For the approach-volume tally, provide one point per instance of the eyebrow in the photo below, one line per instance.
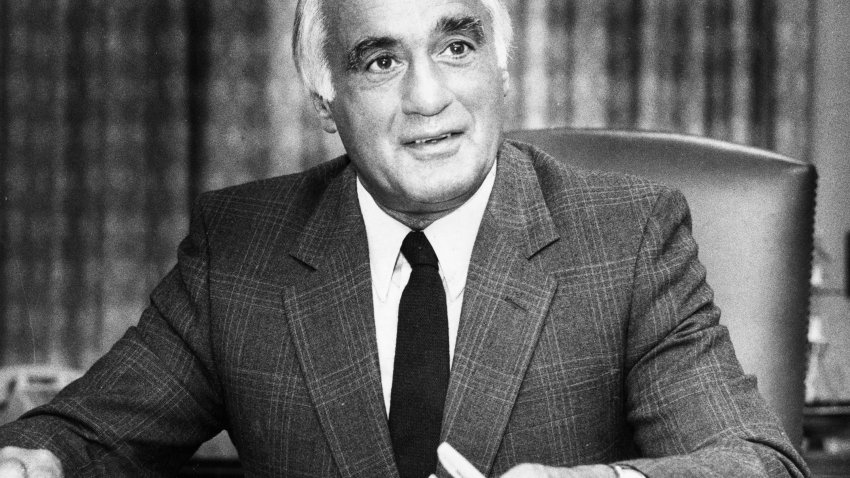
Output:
(361, 49)
(463, 25)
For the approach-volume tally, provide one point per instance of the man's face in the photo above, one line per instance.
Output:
(419, 98)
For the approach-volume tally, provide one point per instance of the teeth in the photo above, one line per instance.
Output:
(432, 140)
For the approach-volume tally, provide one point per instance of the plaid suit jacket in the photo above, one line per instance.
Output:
(588, 335)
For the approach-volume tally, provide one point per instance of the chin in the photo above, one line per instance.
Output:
(446, 195)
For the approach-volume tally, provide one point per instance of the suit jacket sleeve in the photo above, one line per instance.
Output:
(692, 409)
(144, 407)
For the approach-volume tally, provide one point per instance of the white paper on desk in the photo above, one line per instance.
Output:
(455, 463)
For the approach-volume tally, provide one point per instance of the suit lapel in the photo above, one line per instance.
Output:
(507, 295)
(330, 316)
(506, 299)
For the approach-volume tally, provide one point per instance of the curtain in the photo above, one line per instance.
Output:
(115, 114)
(93, 170)
(737, 70)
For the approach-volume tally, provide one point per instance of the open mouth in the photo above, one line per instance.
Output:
(433, 139)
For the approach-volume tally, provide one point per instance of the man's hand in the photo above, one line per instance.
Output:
(22, 463)
(528, 470)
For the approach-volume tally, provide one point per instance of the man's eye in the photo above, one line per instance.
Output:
(381, 64)
(458, 48)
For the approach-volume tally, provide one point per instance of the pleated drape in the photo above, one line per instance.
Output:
(737, 70)
(94, 177)
(115, 114)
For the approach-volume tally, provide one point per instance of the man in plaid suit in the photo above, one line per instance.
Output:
(583, 337)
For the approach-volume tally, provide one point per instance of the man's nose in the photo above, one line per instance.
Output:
(425, 89)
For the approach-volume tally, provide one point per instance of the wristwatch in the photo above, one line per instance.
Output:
(625, 471)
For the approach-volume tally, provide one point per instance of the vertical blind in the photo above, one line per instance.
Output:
(115, 114)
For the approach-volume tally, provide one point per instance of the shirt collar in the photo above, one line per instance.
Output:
(452, 237)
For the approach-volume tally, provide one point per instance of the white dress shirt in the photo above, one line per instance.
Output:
(452, 238)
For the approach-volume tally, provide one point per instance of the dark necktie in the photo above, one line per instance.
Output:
(421, 372)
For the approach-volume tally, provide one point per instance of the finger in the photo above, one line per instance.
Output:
(12, 468)
(42, 464)
(26, 463)
(42, 471)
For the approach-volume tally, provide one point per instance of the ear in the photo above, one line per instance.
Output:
(506, 81)
(323, 111)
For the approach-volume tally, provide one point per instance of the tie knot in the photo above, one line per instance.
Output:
(417, 250)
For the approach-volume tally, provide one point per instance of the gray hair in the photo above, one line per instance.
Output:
(310, 35)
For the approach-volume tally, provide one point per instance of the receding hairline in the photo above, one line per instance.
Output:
(307, 34)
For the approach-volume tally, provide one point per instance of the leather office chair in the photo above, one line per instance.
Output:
(753, 215)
